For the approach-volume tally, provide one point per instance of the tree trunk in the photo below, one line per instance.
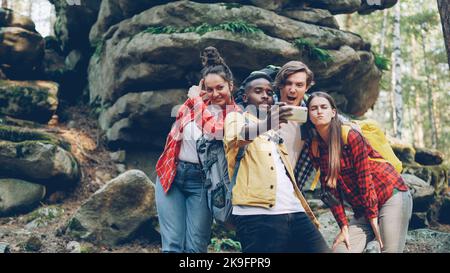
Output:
(431, 117)
(397, 77)
(444, 10)
(383, 31)
(416, 114)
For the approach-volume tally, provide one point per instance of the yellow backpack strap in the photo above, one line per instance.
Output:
(344, 132)
(316, 179)
(315, 153)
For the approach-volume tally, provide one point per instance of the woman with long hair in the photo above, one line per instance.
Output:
(184, 218)
(379, 197)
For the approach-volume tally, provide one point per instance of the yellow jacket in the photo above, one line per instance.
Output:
(256, 180)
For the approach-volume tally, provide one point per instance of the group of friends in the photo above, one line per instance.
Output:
(270, 213)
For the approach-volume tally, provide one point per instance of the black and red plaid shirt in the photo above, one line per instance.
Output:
(364, 184)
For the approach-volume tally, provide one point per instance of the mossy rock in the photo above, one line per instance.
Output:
(18, 134)
(36, 156)
(406, 153)
(43, 216)
(428, 156)
(32, 100)
(436, 176)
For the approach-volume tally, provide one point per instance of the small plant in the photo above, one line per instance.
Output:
(99, 46)
(161, 30)
(313, 52)
(225, 244)
(43, 216)
(234, 27)
(382, 62)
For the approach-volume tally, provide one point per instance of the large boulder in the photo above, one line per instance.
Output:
(404, 151)
(36, 156)
(74, 21)
(9, 18)
(350, 6)
(114, 11)
(141, 118)
(419, 220)
(428, 156)
(337, 6)
(422, 192)
(17, 196)
(21, 51)
(128, 46)
(436, 176)
(319, 17)
(115, 212)
(32, 100)
(444, 211)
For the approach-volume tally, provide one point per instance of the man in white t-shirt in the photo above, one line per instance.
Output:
(292, 81)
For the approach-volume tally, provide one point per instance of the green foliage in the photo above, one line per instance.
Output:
(43, 216)
(424, 70)
(313, 52)
(234, 27)
(225, 244)
(161, 30)
(382, 62)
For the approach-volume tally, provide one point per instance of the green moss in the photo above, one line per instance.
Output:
(25, 137)
(437, 176)
(99, 47)
(43, 216)
(313, 52)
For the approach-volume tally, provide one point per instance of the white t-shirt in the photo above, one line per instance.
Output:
(191, 133)
(188, 150)
(286, 201)
(291, 134)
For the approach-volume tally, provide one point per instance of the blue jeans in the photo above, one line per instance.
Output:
(293, 232)
(184, 218)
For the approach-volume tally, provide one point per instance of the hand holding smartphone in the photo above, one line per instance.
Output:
(299, 114)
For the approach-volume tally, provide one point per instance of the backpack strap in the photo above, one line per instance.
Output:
(315, 152)
(345, 129)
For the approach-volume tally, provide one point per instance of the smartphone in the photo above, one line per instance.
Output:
(299, 114)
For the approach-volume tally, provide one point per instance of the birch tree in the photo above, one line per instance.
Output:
(396, 97)
(444, 11)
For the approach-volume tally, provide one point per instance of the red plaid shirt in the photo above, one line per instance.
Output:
(365, 184)
(194, 109)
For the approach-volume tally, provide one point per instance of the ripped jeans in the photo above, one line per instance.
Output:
(184, 218)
